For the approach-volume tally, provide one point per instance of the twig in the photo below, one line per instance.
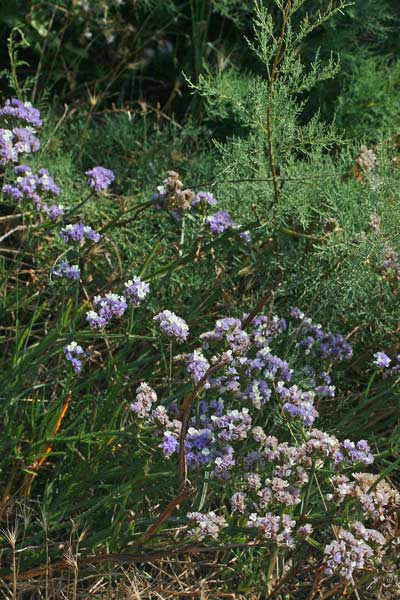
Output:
(264, 299)
(167, 512)
(316, 583)
(11, 231)
(271, 80)
(128, 558)
(262, 180)
(10, 217)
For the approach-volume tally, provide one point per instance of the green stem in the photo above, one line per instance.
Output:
(370, 382)
(270, 568)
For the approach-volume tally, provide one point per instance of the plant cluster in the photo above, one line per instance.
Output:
(173, 382)
(235, 423)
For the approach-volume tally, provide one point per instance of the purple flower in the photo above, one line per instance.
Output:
(305, 530)
(25, 140)
(71, 352)
(296, 313)
(258, 393)
(27, 184)
(135, 291)
(219, 222)
(8, 153)
(78, 232)
(13, 142)
(54, 211)
(169, 443)
(22, 111)
(46, 183)
(159, 199)
(207, 525)
(204, 198)
(172, 325)
(197, 365)
(12, 192)
(326, 344)
(95, 320)
(273, 527)
(245, 236)
(145, 397)
(108, 306)
(351, 552)
(224, 326)
(99, 178)
(238, 502)
(64, 269)
(357, 452)
(382, 360)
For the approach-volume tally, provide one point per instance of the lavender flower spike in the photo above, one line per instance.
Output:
(99, 178)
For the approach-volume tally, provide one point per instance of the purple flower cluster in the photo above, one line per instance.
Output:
(204, 198)
(206, 525)
(30, 186)
(325, 344)
(274, 527)
(359, 452)
(135, 291)
(245, 236)
(298, 403)
(13, 142)
(170, 196)
(172, 325)
(21, 111)
(71, 352)
(64, 269)
(377, 498)
(169, 444)
(115, 305)
(382, 360)
(78, 232)
(350, 551)
(289, 465)
(16, 140)
(197, 365)
(246, 371)
(145, 398)
(99, 178)
(207, 442)
(220, 222)
(108, 306)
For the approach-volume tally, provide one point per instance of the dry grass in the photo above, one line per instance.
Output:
(166, 579)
